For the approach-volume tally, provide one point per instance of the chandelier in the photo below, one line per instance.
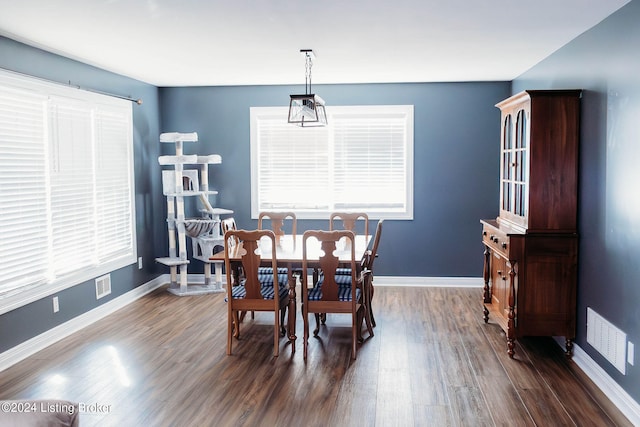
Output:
(307, 109)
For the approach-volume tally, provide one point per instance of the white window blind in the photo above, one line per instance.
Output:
(66, 187)
(23, 178)
(71, 186)
(361, 161)
(114, 190)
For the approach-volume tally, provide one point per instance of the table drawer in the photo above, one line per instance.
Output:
(496, 240)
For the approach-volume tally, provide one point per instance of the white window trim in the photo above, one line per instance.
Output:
(30, 293)
(257, 112)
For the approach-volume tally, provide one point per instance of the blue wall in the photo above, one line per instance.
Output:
(605, 63)
(30, 320)
(456, 134)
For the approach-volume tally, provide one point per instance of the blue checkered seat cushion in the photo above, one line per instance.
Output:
(344, 289)
(343, 271)
(265, 275)
(342, 279)
(267, 290)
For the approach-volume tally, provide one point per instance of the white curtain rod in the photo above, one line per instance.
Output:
(128, 98)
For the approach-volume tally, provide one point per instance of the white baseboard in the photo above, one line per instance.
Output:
(442, 282)
(620, 398)
(53, 335)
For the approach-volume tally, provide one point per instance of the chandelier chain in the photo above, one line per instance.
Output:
(307, 74)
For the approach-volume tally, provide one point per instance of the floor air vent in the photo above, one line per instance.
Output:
(103, 286)
(607, 339)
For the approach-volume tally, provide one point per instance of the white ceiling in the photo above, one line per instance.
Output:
(255, 42)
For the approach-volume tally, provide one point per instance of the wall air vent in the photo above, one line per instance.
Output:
(607, 339)
(103, 286)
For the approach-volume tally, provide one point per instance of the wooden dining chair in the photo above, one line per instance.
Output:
(368, 259)
(366, 268)
(326, 296)
(349, 221)
(255, 292)
(279, 221)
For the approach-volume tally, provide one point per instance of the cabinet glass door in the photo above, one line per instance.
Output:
(520, 165)
(514, 167)
(507, 150)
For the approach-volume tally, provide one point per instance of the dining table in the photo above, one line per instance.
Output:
(289, 255)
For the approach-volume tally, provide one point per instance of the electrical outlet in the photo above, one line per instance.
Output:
(139, 263)
(630, 353)
(56, 305)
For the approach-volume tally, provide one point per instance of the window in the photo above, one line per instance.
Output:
(361, 161)
(66, 187)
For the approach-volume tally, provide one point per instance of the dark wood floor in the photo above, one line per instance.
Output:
(433, 362)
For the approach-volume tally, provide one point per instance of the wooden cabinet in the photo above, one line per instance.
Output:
(531, 248)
